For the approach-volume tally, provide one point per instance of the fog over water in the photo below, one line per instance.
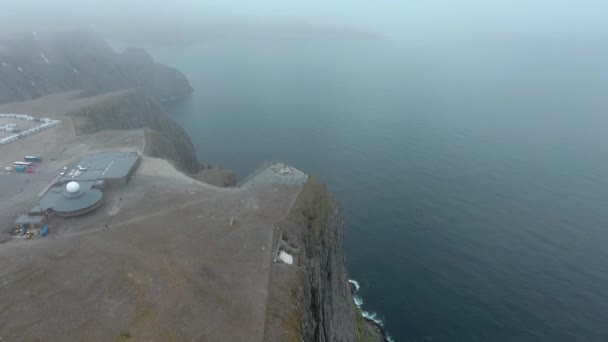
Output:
(558, 17)
(465, 139)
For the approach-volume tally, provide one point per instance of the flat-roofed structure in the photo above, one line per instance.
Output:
(28, 221)
(111, 167)
(79, 190)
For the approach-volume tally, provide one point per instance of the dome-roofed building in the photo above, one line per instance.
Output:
(72, 187)
(72, 199)
(78, 192)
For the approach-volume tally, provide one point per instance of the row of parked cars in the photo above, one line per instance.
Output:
(18, 116)
(9, 128)
(47, 123)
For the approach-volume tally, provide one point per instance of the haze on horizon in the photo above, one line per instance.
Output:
(580, 19)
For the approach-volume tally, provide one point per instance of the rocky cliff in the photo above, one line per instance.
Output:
(312, 301)
(133, 109)
(119, 90)
(34, 64)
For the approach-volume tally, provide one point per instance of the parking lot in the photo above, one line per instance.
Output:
(21, 126)
(13, 183)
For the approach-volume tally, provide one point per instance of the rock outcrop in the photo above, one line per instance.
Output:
(120, 91)
(217, 176)
(36, 64)
(133, 109)
(311, 300)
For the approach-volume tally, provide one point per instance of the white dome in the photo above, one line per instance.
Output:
(72, 187)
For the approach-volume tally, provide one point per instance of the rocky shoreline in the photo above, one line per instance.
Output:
(376, 324)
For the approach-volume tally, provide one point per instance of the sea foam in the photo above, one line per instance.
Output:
(372, 316)
(358, 300)
(356, 283)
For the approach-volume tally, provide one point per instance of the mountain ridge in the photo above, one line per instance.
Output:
(36, 64)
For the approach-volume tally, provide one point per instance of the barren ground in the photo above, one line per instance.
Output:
(167, 267)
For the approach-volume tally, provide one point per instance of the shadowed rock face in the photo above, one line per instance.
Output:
(35, 64)
(331, 304)
(312, 301)
(133, 109)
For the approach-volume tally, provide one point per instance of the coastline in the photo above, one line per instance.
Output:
(369, 316)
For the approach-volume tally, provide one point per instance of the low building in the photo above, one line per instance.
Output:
(79, 190)
(30, 222)
(72, 199)
(111, 167)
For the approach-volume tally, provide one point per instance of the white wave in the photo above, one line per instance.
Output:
(367, 314)
(75, 71)
(356, 283)
(373, 316)
(19, 68)
(358, 300)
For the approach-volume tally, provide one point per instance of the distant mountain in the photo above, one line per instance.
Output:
(35, 64)
(171, 35)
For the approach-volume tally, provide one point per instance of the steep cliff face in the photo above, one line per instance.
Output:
(312, 301)
(132, 109)
(216, 176)
(40, 63)
(330, 301)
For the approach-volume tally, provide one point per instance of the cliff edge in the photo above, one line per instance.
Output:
(35, 64)
(312, 301)
(133, 109)
(115, 90)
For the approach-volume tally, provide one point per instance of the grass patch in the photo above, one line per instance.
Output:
(364, 332)
(292, 324)
(282, 311)
(312, 206)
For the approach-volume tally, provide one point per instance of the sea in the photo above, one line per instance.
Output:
(473, 169)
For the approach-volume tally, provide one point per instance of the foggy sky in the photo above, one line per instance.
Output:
(382, 16)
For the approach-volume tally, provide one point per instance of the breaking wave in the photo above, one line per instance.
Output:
(355, 283)
(372, 316)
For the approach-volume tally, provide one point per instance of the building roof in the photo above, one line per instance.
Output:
(90, 170)
(27, 219)
(61, 200)
(87, 199)
(102, 165)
